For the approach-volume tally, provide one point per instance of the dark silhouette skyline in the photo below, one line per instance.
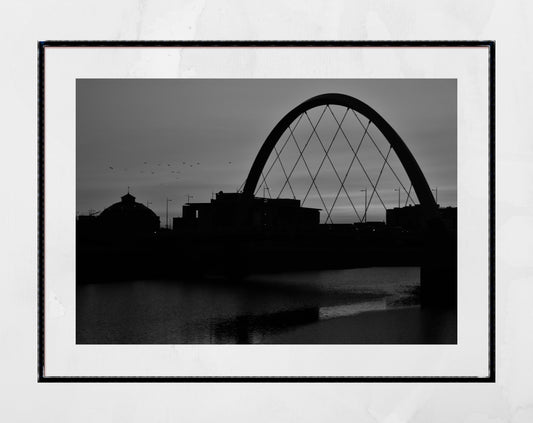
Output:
(179, 138)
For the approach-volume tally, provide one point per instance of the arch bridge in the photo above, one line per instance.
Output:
(342, 131)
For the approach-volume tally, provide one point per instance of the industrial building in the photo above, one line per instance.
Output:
(230, 210)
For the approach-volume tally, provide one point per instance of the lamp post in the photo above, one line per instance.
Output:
(399, 191)
(168, 201)
(364, 215)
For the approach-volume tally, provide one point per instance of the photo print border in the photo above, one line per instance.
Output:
(43, 45)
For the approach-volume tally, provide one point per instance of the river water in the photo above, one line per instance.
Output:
(254, 310)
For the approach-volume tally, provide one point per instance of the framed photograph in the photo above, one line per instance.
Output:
(266, 211)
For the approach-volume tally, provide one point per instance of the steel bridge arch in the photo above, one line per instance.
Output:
(417, 178)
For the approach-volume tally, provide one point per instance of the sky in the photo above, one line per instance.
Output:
(177, 138)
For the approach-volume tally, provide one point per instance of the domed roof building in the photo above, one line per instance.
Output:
(128, 217)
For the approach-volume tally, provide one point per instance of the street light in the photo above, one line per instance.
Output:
(364, 216)
(168, 201)
(399, 191)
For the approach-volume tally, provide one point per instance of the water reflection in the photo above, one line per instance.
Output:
(343, 310)
(254, 328)
(256, 310)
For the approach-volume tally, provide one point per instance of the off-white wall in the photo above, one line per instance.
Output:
(22, 399)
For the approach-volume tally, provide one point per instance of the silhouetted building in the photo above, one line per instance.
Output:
(449, 217)
(229, 210)
(128, 217)
(412, 218)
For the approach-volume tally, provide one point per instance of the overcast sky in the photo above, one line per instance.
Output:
(172, 138)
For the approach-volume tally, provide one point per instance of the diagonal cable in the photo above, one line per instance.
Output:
(367, 206)
(324, 158)
(381, 154)
(359, 161)
(307, 167)
(332, 165)
(371, 183)
(280, 151)
(284, 144)
(347, 172)
(407, 199)
(355, 153)
(313, 178)
(305, 146)
(265, 186)
(284, 172)
(282, 168)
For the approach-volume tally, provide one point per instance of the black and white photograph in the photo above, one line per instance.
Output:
(282, 212)
(266, 211)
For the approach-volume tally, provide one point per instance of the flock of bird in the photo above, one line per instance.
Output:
(160, 168)
(154, 171)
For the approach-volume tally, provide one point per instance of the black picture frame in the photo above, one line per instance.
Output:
(42, 378)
